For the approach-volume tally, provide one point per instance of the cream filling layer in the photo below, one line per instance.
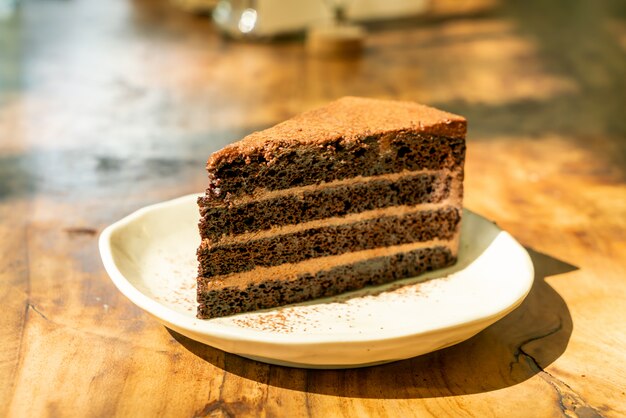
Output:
(264, 194)
(291, 271)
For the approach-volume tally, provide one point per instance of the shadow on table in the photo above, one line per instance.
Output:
(507, 353)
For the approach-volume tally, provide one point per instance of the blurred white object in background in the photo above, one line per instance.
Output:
(7, 9)
(339, 38)
(266, 18)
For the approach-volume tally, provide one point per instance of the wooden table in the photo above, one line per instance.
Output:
(109, 106)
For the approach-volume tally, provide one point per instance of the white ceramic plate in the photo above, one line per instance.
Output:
(151, 257)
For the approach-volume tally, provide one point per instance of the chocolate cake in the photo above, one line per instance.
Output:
(358, 192)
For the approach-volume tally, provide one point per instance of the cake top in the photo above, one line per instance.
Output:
(348, 119)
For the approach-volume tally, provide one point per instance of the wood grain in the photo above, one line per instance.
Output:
(108, 106)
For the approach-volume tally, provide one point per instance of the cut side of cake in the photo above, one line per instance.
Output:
(358, 192)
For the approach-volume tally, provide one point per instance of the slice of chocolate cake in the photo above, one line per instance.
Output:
(359, 192)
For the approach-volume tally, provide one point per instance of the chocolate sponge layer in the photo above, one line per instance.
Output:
(296, 166)
(270, 293)
(328, 240)
(330, 201)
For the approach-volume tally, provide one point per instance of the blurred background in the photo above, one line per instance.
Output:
(110, 105)
(114, 98)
